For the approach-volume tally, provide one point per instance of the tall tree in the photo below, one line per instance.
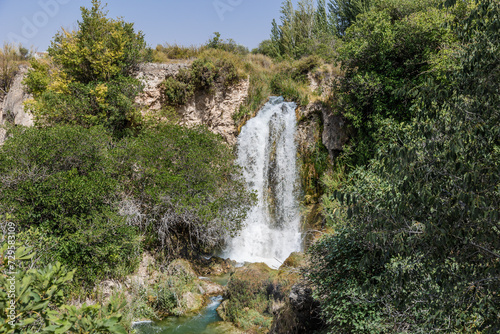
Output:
(343, 13)
(287, 45)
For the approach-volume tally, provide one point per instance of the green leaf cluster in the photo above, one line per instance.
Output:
(39, 300)
(214, 69)
(88, 79)
(61, 182)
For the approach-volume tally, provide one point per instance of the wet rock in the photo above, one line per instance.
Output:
(295, 260)
(211, 288)
(336, 132)
(253, 276)
(181, 267)
(223, 310)
(191, 302)
(214, 266)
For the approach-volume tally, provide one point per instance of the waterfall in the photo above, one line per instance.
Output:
(267, 152)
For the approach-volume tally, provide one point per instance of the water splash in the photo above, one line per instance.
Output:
(268, 154)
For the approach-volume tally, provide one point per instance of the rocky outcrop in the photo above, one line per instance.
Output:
(152, 75)
(214, 266)
(301, 313)
(249, 293)
(214, 109)
(317, 120)
(12, 108)
(308, 126)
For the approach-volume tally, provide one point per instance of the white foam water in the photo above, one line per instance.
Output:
(267, 152)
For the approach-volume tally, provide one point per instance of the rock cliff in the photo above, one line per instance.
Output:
(12, 108)
(212, 109)
(215, 109)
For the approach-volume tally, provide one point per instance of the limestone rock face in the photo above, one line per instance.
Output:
(335, 133)
(152, 75)
(308, 127)
(216, 110)
(12, 108)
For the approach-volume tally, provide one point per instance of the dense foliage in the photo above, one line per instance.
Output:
(302, 32)
(62, 181)
(88, 78)
(416, 243)
(183, 187)
(40, 298)
(92, 193)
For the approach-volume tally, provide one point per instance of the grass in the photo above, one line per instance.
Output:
(11, 57)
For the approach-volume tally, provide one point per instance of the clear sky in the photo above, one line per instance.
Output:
(188, 22)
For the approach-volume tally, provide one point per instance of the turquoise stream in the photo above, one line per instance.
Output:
(185, 325)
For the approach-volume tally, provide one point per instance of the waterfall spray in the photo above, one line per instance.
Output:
(268, 154)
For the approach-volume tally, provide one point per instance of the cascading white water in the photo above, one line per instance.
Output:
(268, 154)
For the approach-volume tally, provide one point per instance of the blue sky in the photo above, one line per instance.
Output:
(188, 22)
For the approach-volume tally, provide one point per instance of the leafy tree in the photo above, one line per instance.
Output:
(88, 78)
(386, 56)
(421, 220)
(302, 32)
(62, 180)
(229, 45)
(343, 13)
(183, 188)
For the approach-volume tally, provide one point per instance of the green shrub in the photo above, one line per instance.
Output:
(166, 52)
(214, 69)
(88, 80)
(40, 301)
(177, 91)
(283, 85)
(61, 180)
(185, 186)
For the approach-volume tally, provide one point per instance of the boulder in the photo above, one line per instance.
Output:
(211, 288)
(190, 302)
(214, 266)
(180, 267)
